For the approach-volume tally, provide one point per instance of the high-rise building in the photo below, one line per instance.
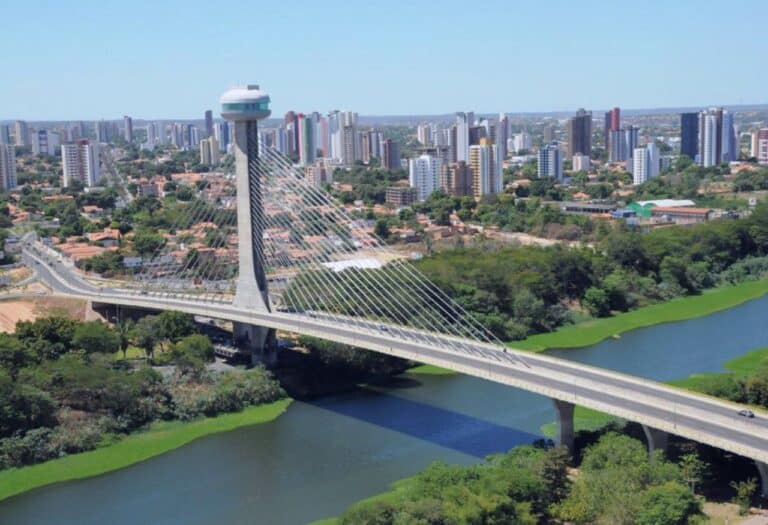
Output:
(7, 167)
(522, 142)
(549, 134)
(612, 123)
(762, 146)
(128, 129)
(689, 135)
(424, 175)
(208, 123)
(710, 138)
(730, 146)
(464, 121)
(307, 149)
(646, 163)
(579, 129)
(5, 134)
(350, 142)
(617, 145)
(485, 164)
(550, 162)
(102, 131)
(21, 137)
(80, 161)
(456, 179)
(221, 133)
(502, 134)
(424, 134)
(390, 157)
(44, 142)
(209, 152)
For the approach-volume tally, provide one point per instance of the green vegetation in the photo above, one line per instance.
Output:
(63, 392)
(161, 437)
(746, 380)
(617, 483)
(593, 331)
(431, 370)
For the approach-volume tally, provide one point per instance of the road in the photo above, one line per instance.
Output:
(656, 405)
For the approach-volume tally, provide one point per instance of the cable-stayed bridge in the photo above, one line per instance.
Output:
(271, 250)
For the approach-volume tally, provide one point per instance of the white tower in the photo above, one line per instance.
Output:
(245, 106)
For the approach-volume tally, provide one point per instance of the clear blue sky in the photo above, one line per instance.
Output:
(85, 59)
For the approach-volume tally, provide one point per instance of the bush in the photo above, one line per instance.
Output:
(226, 392)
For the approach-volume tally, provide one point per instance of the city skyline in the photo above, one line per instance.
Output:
(373, 64)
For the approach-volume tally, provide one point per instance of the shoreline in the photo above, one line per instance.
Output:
(161, 437)
(593, 331)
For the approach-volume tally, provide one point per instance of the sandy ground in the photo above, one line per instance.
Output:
(728, 514)
(15, 310)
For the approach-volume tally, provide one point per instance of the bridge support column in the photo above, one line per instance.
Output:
(657, 439)
(762, 468)
(260, 341)
(565, 434)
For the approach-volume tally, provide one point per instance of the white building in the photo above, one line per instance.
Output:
(645, 163)
(522, 141)
(463, 122)
(581, 162)
(550, 162)
(81, 162)
(7, 167)
(21, 137)
(209, 152)
(44, 142)
(708, 133)
(424, 175)
(486, 166)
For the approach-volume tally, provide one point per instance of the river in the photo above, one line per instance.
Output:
(319, 457)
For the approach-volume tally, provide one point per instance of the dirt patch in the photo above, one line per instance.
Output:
(30, 309)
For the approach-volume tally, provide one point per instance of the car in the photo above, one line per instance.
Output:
(383, 328)
(746, 413)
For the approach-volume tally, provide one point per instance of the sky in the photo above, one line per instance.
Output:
(88, 59)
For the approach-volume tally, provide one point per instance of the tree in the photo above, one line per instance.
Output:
(744, 492)
(553, 469)
(668, 504)
(145, 335)
(693, 469)
(382, 229)
(192, 352)
(147, 242)
(596, 300)
(124, 330)
(96, 337)
(13, 355)
(173, 325)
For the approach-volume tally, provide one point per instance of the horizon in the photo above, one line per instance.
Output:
(405, 60)
(668, 110)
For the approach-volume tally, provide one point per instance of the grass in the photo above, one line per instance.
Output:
(595, 330)
(740, 367)
(161, 437)
(583, 419)
(430, 370)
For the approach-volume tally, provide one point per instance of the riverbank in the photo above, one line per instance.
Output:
(161, 437)
(593, 331)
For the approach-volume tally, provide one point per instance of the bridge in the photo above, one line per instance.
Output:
(305, 266)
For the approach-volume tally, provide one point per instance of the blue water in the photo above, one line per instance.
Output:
(320, 457)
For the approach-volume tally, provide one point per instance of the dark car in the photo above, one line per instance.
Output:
(746, 413)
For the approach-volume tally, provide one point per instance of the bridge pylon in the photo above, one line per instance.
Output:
(244, 107)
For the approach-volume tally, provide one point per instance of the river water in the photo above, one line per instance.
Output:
(319, 457)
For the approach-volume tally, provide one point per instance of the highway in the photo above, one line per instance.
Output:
(701, 418)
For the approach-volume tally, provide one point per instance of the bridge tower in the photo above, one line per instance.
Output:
(244, 106)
